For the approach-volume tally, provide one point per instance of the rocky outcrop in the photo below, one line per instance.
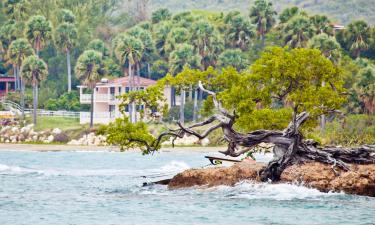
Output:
(27, 134)
(90, 140)
(360, 180)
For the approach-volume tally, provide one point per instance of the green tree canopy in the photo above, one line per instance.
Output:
(234, 58)
(38, 32)
(329, 47)
(160, 15)
(298, 31)
(262, 14)
(184, 55)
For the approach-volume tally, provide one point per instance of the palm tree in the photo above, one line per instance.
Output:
(98, 45)
(329, 47)
(262, 15)
(66, 16)
(34, 71)
(176, 36)
(145, 37)
(9, 33)
(358, 35)
(160, 15)
(38, 32)
(298, 32)
(322, 24)
(289, 13)
(234, 58)
(239, 31)
(128, 51)
(207, 42)
(65, 37)
(88, 70)
(17, 9)
(18, 51)
(184, 55)
(161, 32)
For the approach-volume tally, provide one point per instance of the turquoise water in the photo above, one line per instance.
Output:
(89, 188)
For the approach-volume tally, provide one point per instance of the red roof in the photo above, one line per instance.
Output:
(124, 81)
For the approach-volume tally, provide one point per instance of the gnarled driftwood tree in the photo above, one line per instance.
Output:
(290, 147)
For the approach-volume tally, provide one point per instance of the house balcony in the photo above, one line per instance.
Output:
(86, 98)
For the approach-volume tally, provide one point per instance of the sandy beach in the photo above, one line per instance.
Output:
(57, 148)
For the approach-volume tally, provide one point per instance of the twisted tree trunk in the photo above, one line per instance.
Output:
(289, 145)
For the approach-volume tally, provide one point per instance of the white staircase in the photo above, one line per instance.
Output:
(11, 106)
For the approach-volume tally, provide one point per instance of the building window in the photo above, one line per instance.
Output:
(126, 108)
(119, 90)
(127, 89)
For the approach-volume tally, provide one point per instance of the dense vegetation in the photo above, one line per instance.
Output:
(97, 39)
(342, 11)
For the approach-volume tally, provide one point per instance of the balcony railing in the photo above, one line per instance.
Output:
(86, 98)
(101, 97)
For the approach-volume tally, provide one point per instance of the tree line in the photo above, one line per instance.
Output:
(97, 42)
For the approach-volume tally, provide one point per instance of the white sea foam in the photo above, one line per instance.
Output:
(249, 190)
(168, 169)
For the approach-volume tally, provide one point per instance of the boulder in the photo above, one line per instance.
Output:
(15, 130)
(359, 180)
(205, 142)
(50, 138)
(56, 131)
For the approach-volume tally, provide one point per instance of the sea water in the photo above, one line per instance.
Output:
(89, 188)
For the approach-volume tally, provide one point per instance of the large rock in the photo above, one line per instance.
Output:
(216, 176)
(360, 180)
(56, 131)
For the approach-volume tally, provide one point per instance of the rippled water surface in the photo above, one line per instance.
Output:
(87, 188)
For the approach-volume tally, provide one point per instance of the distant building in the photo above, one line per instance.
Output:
(106, 103)
(7, 84)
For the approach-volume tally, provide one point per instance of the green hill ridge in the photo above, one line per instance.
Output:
(343, 11)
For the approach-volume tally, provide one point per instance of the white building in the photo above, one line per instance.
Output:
(106, 103)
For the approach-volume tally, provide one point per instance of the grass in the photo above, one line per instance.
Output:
(49, 123)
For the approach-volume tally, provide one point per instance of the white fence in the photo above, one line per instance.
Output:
(54, 113)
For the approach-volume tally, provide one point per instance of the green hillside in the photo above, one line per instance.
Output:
(342, 10)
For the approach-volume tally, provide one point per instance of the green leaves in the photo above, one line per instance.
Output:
(128, 49)
(19, 50)
(129, 135)
(184, 55)
(65, 36)
(34, 70)
(90, 68)
(38, 31)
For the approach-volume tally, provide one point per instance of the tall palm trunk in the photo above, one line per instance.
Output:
(148, 71)
(190, 93)
(15, 73)
(35, 101)
(22, 86)
(200, 103)
(92, 109)
(195, 110)
(182, 107)
(69, 70)
(132, 104)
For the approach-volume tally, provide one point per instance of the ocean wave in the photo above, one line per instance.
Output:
(169, 169)
(282, 192)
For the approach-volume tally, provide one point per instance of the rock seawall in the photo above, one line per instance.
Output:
(360, 180)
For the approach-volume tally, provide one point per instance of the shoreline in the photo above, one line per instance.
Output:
(73, 148)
